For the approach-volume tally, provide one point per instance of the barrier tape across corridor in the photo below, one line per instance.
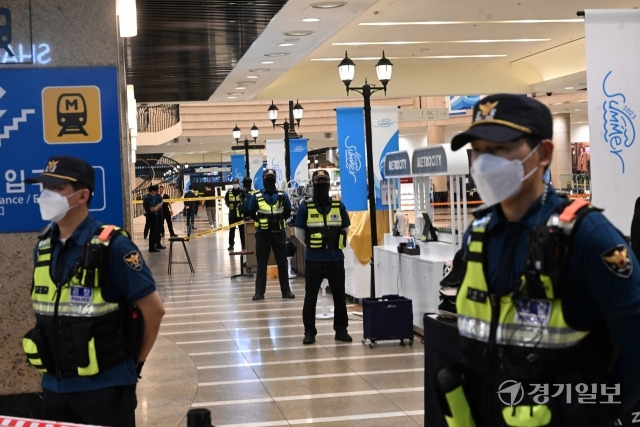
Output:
(28, 422)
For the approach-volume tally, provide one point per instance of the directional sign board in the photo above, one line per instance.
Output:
(58, 111)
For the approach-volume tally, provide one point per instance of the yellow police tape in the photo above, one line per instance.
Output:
(214, 230)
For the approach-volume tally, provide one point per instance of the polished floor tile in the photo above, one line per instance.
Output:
(244, 360)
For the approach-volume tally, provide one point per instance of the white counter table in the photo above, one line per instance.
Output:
(413, 276)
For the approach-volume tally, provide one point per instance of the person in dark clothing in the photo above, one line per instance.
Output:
(635, 228)
(152, 206)
(246, 196)
(270, 209)
(210, 205)
(190, 209)
(157, 199)
(322, 224)
(234, 199)
(167, 213)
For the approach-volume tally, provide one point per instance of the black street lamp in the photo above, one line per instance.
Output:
(295, 113)
(246, 144)
(347, 69)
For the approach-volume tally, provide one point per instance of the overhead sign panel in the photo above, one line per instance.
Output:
(59, 111)
(397, 164)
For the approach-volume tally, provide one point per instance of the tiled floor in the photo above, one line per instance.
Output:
(245, 362)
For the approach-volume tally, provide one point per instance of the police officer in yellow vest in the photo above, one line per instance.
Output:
(322, 223)
(549, 307)
(234, 199)
(270, 208)
(96, 306)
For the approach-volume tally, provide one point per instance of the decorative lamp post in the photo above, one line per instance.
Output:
(347, 70)
(237, 133)
(295, 114)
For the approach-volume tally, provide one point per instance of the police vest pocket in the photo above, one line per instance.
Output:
(527, 415)
(36, 350)
(342, 240)
(85, 349)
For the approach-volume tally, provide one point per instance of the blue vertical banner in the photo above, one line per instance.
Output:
(351, 151)
(299, 165)
(238, 168)
(384, 132)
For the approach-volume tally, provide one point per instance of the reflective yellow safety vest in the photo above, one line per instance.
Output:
(528, 337)
(324, 231)
(270, 216)
(235, 203)
(78, 332)
(539, 322)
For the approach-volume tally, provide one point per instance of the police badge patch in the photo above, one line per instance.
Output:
(618, 261)
(133, 260)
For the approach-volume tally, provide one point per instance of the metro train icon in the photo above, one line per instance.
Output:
(71, 113)
(5, 29)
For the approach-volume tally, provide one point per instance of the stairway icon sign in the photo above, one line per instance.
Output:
(15, 122)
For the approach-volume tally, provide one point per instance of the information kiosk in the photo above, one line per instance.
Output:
(417, 274)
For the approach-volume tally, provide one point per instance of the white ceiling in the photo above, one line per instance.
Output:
(459, 47)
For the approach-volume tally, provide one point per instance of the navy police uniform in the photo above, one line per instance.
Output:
(321, 263)
(270, 235)
(602, 295)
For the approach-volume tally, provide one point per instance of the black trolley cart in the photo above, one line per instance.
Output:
(387, 318)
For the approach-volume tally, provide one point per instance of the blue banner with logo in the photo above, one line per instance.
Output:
(351, 151)
(238, 167)
(298, 165)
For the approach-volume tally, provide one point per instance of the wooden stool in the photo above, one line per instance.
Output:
(243, 273)
(186, 252)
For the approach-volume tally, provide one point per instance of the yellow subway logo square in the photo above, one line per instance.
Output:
(71, 115)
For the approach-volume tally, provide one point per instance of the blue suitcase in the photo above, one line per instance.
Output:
(387, 318)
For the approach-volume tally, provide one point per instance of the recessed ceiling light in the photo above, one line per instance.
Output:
(285, 44)
(234, 93)
(310, 19)
(259, 70)
(240, 88)
(276, 54)
(252, 76)
(298, 33)
(569, 88)
(231, 97)
(245, 83)
(328, 4)
(266, 62)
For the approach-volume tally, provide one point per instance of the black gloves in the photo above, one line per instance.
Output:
(139, 366)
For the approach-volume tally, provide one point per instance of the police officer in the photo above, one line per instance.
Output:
(247, 192)
(270, 208)
(234, 199)
(152, 208)
(550, 300)
(86, 280)
(322, 223)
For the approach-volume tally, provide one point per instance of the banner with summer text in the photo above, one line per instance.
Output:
(614, 105)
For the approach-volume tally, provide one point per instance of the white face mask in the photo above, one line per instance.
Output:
(54, 206)
(498, 178)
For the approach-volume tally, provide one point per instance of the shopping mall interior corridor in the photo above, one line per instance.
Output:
(244, 361)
